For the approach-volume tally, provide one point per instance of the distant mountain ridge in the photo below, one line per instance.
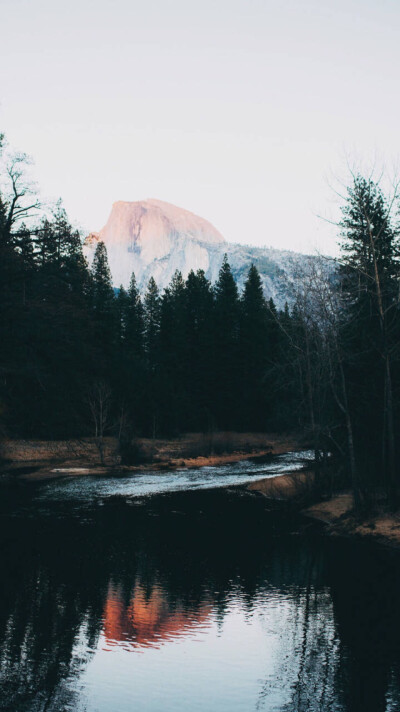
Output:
(153, 238)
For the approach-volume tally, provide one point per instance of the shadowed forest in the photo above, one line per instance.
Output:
(79, 357)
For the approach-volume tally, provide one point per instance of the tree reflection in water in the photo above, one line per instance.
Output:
(143, 575)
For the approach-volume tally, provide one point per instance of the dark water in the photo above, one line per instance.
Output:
(186, 601)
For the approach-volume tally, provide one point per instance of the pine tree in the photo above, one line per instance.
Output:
(103, 293)
(369, 279)
(134, 333)
(200, 358)
(121, 308)
(129, 377)
(226, 344)
(172, 345)
(254, 353)
(152, 318)
(104, 311)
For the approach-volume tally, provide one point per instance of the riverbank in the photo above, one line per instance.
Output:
(336, 514)
(42, 460)
(296, 487)
(339, 518)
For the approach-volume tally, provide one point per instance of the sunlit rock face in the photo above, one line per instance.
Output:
(154, 239)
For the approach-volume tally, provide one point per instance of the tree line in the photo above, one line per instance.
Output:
(79, 357)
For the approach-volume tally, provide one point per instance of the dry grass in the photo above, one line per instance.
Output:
(332, 510)
(338, 513)
(192, 451)
(293, 486)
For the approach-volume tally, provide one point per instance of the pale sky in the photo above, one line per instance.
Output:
(239, 110)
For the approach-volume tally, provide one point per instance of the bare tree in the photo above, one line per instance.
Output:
(324, 304)
(99, 399)
(19, 193)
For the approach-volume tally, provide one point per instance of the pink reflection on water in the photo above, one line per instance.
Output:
(148, 620)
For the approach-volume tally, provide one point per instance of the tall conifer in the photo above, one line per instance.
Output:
(254, 353)
(226, 344)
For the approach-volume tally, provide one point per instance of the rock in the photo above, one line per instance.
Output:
(154, 239)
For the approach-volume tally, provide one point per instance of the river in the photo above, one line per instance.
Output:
(179, 591)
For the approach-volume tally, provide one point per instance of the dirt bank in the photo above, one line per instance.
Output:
(340, 519)
(337, 513)
(293, 487)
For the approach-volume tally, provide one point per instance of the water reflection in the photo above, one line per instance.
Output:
(191, 601)
(147, 619)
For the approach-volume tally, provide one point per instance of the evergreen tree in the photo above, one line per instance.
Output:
(130, 374)
(121, 308)
(152, 318)
(172, 345)
(254, 354)
(103, 293)
(134, 334)
(226, 345)
(369, 278)
(200, 361)
(105, 316)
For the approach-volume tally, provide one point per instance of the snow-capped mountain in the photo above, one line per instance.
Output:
(154, 239)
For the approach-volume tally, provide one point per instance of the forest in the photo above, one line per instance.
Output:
(81, 358)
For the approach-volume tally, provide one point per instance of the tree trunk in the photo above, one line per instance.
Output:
(390, 435)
